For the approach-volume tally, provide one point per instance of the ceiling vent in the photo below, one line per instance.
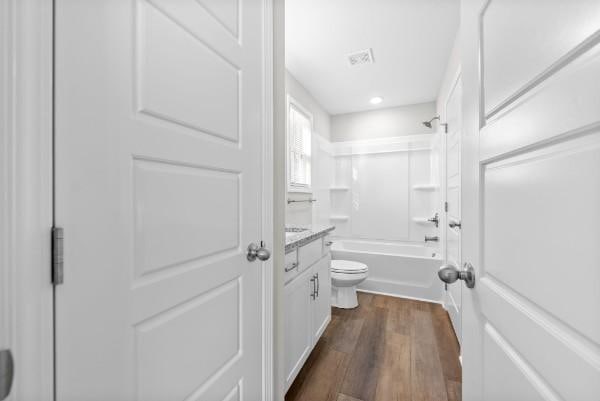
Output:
(361, 57)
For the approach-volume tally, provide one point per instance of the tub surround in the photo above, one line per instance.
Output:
(299, 236)
(384, 189)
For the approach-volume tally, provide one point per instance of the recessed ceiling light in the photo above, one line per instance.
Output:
(376, 100)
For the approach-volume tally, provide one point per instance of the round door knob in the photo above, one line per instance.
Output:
(450, 273)
(255, 251)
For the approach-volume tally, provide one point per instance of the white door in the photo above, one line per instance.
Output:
(159, 122)
(531, 197)
(453, 119)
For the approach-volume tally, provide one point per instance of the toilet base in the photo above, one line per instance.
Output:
(344, 297)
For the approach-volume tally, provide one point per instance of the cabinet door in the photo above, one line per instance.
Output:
(298, 324)
(322, 303)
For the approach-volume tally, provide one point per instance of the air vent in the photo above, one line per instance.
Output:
(361, 57)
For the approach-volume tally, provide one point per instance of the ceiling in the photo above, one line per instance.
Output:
(411, 42)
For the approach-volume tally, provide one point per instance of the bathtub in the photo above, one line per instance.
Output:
(404, 270)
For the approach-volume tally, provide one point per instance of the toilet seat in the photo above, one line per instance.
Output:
(348, 267)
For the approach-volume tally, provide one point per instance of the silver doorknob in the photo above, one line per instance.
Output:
(255, 251)
(450, 273)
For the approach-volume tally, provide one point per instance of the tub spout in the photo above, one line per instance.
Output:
(432, 239)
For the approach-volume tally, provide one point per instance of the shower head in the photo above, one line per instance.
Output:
(428, 123)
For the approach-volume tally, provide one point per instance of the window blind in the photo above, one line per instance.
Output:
(300, 132)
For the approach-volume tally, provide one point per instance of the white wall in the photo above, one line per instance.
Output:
(304, 213)
(382, 123)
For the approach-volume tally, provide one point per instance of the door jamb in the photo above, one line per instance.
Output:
(26, 314)
(279, 176)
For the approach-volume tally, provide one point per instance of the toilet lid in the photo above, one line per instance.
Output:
(348, 266)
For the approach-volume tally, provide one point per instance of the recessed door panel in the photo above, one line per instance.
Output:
(521, 40)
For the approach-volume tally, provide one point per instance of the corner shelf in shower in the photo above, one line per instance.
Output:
(339, 188)
(425, 187)
(339, 218)
(422, 220)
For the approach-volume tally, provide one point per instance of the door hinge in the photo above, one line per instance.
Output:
(446, 207)
(58, 237)
(445, 128)
(7, 372)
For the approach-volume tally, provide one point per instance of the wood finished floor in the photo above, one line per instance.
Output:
(387, 349)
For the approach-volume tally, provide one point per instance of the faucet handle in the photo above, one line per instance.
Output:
(435, 219)
(454, 224)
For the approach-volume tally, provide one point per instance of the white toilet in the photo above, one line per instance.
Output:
(345, 276)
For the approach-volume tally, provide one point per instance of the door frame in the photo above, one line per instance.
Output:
(26, 318)
(456, 77)
(26, 195)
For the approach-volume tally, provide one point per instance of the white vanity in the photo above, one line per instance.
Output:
(307, 295)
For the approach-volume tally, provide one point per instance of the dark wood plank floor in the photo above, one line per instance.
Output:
(387, 349)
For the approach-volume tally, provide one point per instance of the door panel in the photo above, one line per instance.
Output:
(166, 90)
(166, 198)
(158, 187)
(534, 166)
(453, 185)
(517, 42)
(535, 212)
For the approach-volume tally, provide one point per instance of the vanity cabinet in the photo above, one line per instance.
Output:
(307, 306)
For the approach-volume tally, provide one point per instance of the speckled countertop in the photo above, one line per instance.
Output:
(295, 239)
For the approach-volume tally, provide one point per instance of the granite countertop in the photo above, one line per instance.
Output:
(304, 235)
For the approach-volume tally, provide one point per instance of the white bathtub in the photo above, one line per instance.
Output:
(405, 270)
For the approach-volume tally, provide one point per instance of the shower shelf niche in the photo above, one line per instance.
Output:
(339, 217)
(425, 187)
(422, 220)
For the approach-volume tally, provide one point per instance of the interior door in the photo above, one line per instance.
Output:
(453, 220)
(159, 121)
(531, 190)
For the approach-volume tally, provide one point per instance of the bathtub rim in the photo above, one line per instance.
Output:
(336, 240)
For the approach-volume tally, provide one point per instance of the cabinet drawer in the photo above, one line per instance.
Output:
(309, 254)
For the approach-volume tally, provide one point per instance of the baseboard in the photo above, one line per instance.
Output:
(400, 296)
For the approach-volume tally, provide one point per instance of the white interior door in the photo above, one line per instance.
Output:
(531, 181)
(159, 122)
(453, 299)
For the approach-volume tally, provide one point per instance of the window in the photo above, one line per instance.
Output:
(299, 147)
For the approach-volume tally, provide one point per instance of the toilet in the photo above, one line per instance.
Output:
(345, 276)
